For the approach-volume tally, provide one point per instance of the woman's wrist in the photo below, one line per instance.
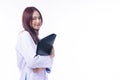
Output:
(37, 70)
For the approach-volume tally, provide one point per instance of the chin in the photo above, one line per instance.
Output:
(36, 29)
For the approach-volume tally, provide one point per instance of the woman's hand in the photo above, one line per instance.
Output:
(52, 53)
(37, 70)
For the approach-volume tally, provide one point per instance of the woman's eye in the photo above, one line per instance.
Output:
(35, 18)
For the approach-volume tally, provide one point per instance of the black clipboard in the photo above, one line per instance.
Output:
(45, 45)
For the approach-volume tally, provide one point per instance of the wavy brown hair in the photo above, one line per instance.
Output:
(27, 18)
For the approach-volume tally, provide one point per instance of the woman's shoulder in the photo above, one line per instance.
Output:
(24, 33)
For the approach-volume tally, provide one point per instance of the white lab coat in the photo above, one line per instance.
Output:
(26, 50)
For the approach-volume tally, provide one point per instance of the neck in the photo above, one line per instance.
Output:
(37, 32)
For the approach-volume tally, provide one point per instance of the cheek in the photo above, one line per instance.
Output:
(32, 23)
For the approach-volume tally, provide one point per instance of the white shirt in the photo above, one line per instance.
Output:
(26, 51)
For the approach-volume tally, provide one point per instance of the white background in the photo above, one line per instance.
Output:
(88, 37)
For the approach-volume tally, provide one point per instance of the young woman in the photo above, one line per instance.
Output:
(32, 67)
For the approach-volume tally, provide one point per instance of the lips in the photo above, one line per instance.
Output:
(37, 24)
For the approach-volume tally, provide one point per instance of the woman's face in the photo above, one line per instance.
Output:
(36, 21)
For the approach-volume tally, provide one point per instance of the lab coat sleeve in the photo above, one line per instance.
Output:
(26, 47)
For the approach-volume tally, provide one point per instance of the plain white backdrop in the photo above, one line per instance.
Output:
(87, 46)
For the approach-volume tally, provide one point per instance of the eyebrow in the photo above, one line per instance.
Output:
(35, 17)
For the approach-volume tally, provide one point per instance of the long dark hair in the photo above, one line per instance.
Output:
(26, 20)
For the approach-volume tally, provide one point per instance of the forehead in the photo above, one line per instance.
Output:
(36, 13)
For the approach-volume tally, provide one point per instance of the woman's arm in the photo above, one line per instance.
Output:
(27, 49)
(36, 70)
